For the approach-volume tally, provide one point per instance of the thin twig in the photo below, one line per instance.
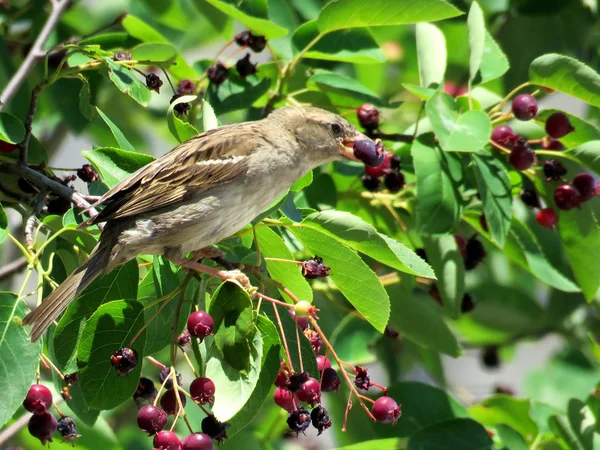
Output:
(36, 52)
(13, 267)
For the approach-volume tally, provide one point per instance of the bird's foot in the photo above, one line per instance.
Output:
(207, 252)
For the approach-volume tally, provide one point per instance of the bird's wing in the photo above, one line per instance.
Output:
(208, 160)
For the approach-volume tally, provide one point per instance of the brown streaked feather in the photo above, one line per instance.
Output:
(201, 163)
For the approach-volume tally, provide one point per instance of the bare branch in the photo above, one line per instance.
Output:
(13, 267)
(35, 53)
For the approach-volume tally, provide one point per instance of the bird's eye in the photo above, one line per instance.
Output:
(336, 129)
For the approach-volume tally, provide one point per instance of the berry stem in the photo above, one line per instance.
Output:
(556, 154)
(283, 339)
(180, 409)
(162, 386)
(187, 359)
(299, 349)
(154, 361)
(499, 147)
(506, 99)
(348, 408)
(47, 361)
(272, 300)
(284, 261)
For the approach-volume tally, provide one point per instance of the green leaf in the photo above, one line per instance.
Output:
(583, 423)
(231, 309)
(233, 387)
(158, 52)
(464, 434)
(507, 410)
(236, 93)
(579, 232)
(20, 357)
(510, 438)
(494, 62)
(447, 262)
(272, 246)
(11, 128)
(302, 182)
(357, 13)
(420, 320)
(566, 75)
(120, 284)
(257, 25)
(587, 154)
(139, 29)
(3, 224)
(127, 82)
(494, 187)
(209, 118)
(114, 165)
(379, 444)
(476, 27)
(466, 132)
(584, 131)
(560, 427)
(353, 277)
(359, 235)
(182, 131)
(118, 134)
(110, 328)
(353, 46)
(85, 100)
(438, 202)
(431, 54)
(330, 82)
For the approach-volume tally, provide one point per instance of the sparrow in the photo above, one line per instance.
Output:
(204, 190)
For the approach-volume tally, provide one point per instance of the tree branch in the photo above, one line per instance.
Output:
(35, 53)
(13, 267)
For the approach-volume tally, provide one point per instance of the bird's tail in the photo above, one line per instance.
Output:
(43, 316)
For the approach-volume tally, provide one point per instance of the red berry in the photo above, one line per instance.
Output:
(310, 392)
(200, 324)
(124, 360)
(186, 87)
(524, 107)
(558, 125)
(301, 321)
(368, 116)
(586, 185)
(284, 399)
(151, 419)
(501, 134)
(382, 169)
(169, 403)
(566, 197)
(330, 380)
(552, 144)
(281, 380)
(323, 363)
(43, 426)
(184, 338)
(522, 157)
(366, 150)
(198, 441)
(202, 390)
(394, 181)
(6, 147)
(167, 440)
(386, 410)
(546, 217)
(38, 400)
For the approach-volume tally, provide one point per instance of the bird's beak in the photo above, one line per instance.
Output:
(347, 146)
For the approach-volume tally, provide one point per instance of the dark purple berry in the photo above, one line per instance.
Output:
(200, 324)
(145, 392)
(467, 304)
(284, 399)
(184, 338)
(87, 173)
(198, 441)
(310, 392)
(151, 419)
(153, 82)
(202, 390)
(384, 168)
(366, 150)
(298, 420)
(554, 170)
(586, 185)
(124, 360)
(169, 403)
(38, 400)
(421, 253)
(330, 380)
(546, 217)
(524, 107)
(122, 56)
(245, 67)
(257, 43)
(243, 39)
(386, 410)
(552, 144)
(566, 197)
(483, 223)
(315, 340)
(530, 198)
(217, 73)
(26, 186)
(558, 125)
(387, 332)
(314, 268)
(475, 254)
(70, 378)
(215, 429)
(490, 357)
(181, 109)
(522, 157)
(502, 134)
(58, 206)
(186, 87)
(362, 379)
(323, 363)
(371, 184)
(166, 372)
(320, 419)
(166, 440)
(301, 321)
(296, 380)
(67, 429)
(43, 426)
(395, 162)
(368, 116)
(394, 181)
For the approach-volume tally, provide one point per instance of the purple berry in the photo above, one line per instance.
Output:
(298, 420)
(362, 379)
(530, 198)
(166, 440)
(371, 184)
(524, 107)
(330, 380)
(554, 170)
(366, 150)
(368, 116)
(386, 410)
(42, 426)
(202, 390)
(215, 429)
(320, 419)
(522, 157)
(151, 419)
(475, 254)
(310, 392)
(284, 399)
(169, 403)
(145, 392)
(558, 125)
(552, 144)
(186, 87)
(394, 181)
(586, 185)
(124, 360)
(323, 363)
(314, 268)
(154, 82)
(566, 197)
(296, 380)
(501, 134)
(245, 67)
(198, 441)
(301, 321)
(67, 429)
(38, 400)
(200, 324)
(217, 73)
